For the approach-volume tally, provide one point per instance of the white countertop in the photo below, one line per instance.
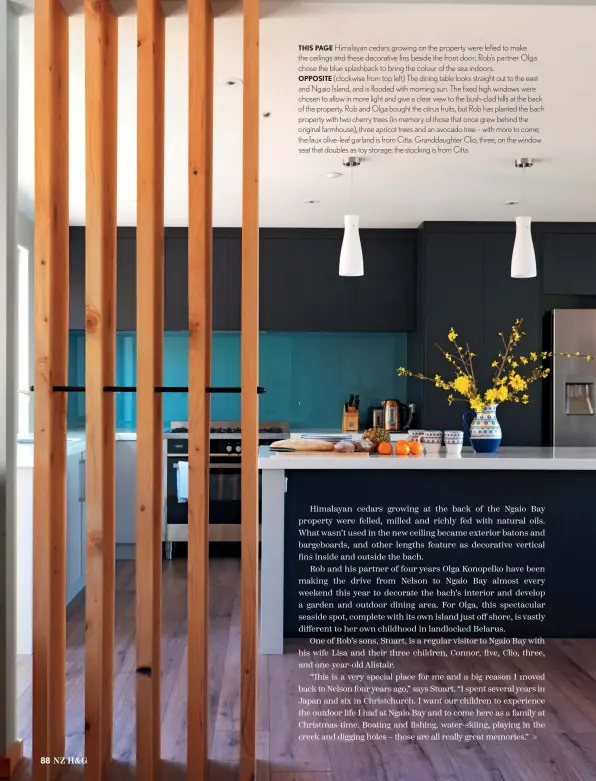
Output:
(542, 458)
(25, 451)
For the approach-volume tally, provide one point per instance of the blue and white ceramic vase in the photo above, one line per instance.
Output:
(484, 431)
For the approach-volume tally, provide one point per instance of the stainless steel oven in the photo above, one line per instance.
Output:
(225, 453)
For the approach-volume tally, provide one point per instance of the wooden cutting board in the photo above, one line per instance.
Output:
(315, 453)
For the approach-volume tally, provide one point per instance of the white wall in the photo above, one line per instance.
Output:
(25, 238)
(9, 32)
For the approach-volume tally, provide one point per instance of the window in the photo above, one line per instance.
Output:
(23, 343)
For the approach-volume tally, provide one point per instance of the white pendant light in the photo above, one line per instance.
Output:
(523, 260)
(350, 259)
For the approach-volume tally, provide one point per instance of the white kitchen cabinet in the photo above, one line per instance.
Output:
(126, 488)
(75, 525)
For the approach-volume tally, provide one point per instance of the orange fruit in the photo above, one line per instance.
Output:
(402, 448)
(416, 449)
(385, 449)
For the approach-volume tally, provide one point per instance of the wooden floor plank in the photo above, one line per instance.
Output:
(292, 776)
(558, 754)
(225, 756)
(286, 752)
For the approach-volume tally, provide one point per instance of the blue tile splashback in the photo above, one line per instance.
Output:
(308, 376)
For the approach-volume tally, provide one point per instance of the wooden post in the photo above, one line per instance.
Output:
(51, 359)
(250, 403)
(200, 121)
(150, 325)
(101, 85)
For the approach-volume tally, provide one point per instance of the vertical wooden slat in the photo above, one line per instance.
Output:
(51, 359)
(250, 404)
(150, 303)
(101, 84)
(200, 118)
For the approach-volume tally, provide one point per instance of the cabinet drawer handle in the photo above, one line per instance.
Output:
(83, 477)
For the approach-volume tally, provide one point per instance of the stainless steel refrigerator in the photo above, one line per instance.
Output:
(574, 379)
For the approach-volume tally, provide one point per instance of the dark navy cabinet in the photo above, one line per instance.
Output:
(465, 283)
(300, 288)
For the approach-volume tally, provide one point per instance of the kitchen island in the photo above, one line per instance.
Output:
(521, 519)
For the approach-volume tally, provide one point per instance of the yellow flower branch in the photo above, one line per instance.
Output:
(508, 383)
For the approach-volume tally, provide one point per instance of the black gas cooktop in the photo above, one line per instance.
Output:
(232, 430)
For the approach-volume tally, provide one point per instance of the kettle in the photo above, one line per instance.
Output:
(396, 415)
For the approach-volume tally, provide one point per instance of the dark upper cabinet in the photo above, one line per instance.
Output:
(301, 290)
(570, 263)
(506, 300)
(126, 298)
(467, 284)
(176, 284)
(126, 284)
(77, 279)
(225, 284)
(453, 298)
(385, 297)
(318, 299)
(300, 286)
(276, 264)
(226, 308)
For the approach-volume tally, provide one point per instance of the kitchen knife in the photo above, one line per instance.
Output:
(351, 401)
(357, 402)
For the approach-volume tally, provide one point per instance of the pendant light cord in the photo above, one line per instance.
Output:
(350, 198)
(523, 187)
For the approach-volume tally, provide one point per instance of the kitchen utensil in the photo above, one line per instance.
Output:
(396, 415)
(357, 402)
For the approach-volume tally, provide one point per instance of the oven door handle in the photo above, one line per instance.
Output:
(216, 455)
(224, 466)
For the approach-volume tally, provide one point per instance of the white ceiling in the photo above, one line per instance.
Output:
(389, 192)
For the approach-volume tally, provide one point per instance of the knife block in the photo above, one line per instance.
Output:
(350, 419)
